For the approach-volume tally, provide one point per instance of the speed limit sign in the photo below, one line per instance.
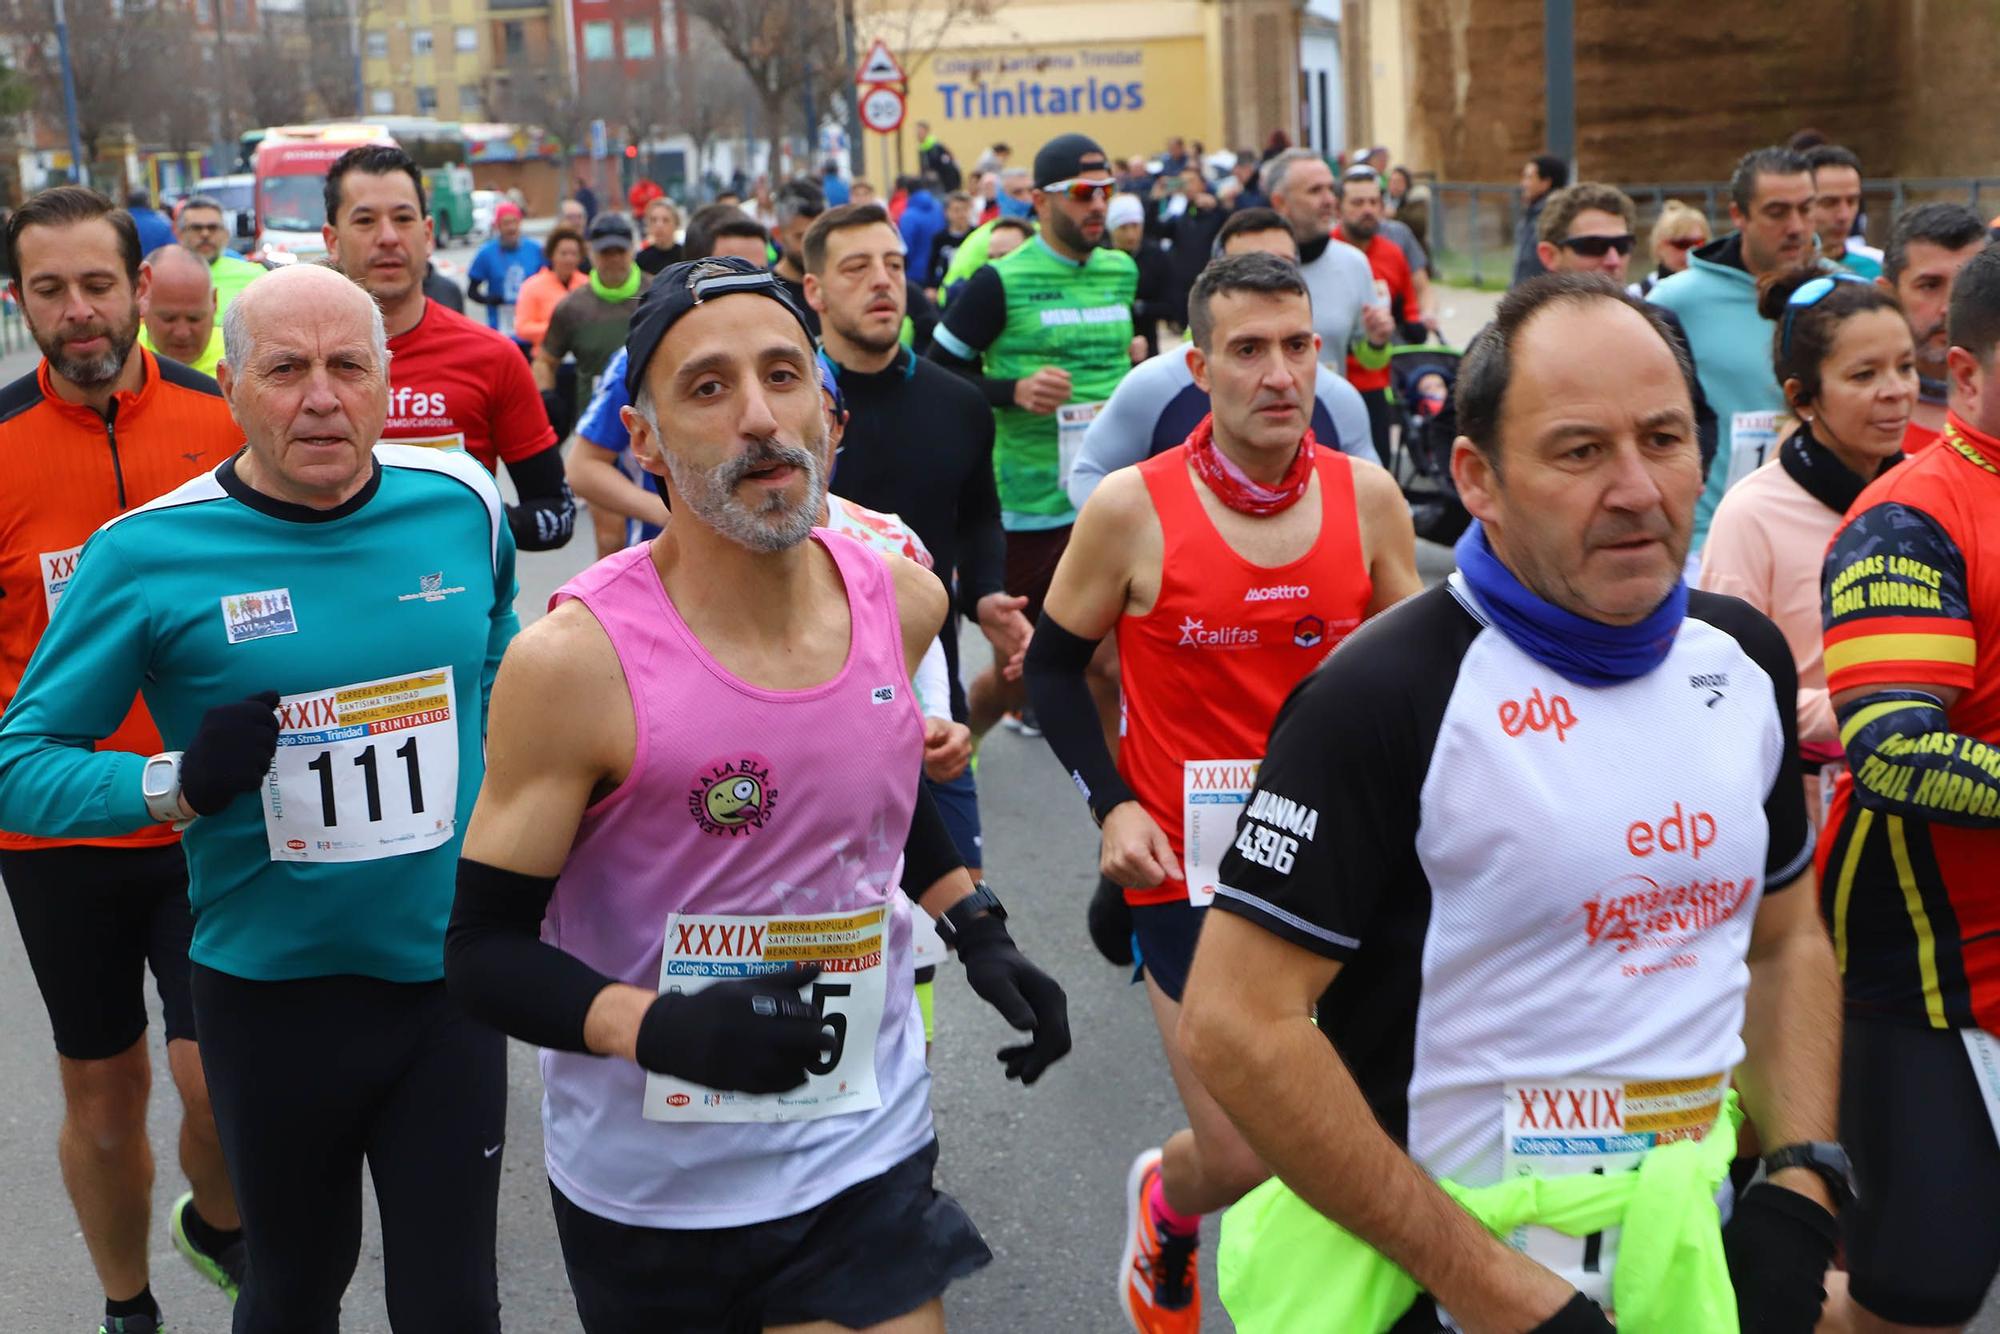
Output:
(881, 108)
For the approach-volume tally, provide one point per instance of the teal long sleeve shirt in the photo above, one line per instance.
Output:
(381, 623)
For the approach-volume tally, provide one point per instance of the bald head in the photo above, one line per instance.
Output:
(295, 298)
(306, 373)
(179, 304)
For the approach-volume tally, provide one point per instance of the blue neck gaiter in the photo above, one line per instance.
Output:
(1586, 652)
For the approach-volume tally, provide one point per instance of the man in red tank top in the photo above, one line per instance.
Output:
(1229, 567)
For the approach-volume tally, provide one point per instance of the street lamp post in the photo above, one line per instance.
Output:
(79, 171)
(1559, 78)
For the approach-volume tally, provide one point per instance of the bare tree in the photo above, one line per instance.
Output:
(277, 79)
(917, 30)
(782, 45)
(713, 96)
(111, 54)
(330, 67)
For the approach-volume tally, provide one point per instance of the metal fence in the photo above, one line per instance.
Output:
(1471, 226)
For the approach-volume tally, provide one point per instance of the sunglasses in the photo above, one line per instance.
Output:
(1685, 242)
(1810, 295)
(1597, 247)
(1080, 190)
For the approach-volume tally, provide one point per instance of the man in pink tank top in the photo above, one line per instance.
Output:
(1229, 567)
(691, 873)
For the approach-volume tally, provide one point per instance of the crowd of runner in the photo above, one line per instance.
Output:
(1608, 934)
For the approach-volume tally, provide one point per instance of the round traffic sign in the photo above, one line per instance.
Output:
(881, 108)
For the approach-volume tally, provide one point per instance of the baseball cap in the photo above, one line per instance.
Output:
(505, 209)
(683, 286)
(610, 231)
(1125, 209)
(1066, 157)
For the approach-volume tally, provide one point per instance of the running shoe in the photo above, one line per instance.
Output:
(1110, 921)
(1158, 1285)
(132, 1324)
(225, 1271)
(1022, 722)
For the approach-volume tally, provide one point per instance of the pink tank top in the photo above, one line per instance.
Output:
(746, 802)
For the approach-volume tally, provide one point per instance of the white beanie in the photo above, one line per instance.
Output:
(1124, 209)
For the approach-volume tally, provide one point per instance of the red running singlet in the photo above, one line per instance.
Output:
(1206, 670)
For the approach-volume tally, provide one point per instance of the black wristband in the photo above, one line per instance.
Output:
(1579, 1315)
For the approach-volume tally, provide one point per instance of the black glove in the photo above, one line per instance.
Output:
(1025, 996)
(1779, 1244)
(752, 1035)
(1579, 1315)
(231, 752)
(1109, 919)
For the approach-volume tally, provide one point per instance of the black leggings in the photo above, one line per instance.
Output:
(311, 1077)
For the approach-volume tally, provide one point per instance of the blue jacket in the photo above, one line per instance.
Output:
(154, 229)
(923, 223)
(1716, 300)
(836, 191)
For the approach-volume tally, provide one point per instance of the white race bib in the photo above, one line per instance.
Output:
(1574, 1126)
(365, 771)
(453, 440)
(1213, 795)
(1753, 436)
(57, 568)
(849, 995)
(1072, 420)
(1984, 1049)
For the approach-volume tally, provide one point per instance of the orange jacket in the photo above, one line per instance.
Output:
(65, 471)
(537, 300)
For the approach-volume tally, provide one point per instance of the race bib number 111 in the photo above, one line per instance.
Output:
(364, 771)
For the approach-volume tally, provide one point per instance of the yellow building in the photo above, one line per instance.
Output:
(1129, 73)
(426, 58)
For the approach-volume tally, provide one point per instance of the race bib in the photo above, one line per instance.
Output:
(848, 996)
(1072, 420)
(1753, 436)
(1213, 795)
(1984, 1049)
(1596, 1125)
(57, 567)
(364, 771)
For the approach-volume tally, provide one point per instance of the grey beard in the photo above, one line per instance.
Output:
(775, 525)
(96, 371)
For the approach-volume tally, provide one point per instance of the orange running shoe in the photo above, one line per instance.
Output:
(1158, 1285)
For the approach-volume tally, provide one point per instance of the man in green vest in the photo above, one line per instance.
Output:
(201, 227)
(1046, 333)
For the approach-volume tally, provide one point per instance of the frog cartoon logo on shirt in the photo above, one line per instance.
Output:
(732, 797)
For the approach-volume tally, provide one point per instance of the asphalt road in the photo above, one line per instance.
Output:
(1041, 1170)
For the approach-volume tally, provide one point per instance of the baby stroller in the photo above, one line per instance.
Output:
(1420, 458)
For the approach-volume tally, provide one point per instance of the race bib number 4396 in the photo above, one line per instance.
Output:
(848, 996)
(364, 771)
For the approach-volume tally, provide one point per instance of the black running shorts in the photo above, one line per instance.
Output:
(880, 1249)
(91, 919)
(1922, 1245)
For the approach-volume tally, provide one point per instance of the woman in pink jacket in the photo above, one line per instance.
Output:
(1842, 353)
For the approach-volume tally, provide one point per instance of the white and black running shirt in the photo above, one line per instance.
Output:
(1525, 880)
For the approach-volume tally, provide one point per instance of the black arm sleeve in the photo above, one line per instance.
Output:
(982, 543)
(501, 972)
(546, 515)
(976, 318)
(476, 289)
(923, 313)
(1068, 714)
(929, 854)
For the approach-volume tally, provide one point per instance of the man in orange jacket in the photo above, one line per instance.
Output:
(100, 426)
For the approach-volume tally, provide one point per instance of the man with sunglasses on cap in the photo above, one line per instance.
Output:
(681, 876)
(1047, 333)
(1770, 201)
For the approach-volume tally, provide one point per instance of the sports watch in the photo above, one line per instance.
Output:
(1824, 1159)
(981, 900)
(160, 785)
